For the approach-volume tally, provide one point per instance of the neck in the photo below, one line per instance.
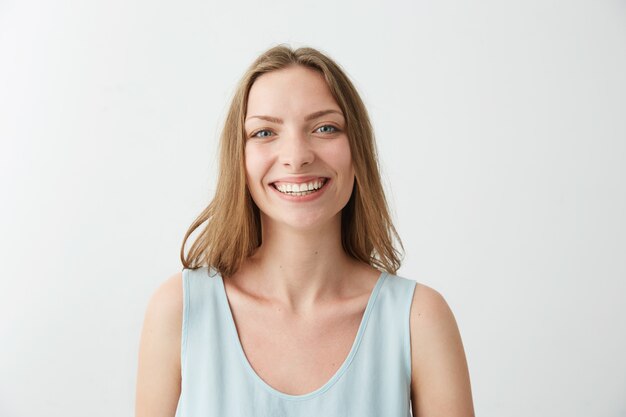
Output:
(300, 268)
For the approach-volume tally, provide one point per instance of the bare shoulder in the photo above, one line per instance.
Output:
(159, 373)
(440, 378)
(430, 309)
(165, 309)
(167, 299)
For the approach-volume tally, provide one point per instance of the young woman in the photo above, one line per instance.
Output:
(288, 303)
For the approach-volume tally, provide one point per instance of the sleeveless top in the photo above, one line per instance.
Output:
(218, 380)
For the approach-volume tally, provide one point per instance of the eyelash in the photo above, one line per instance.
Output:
(268, 130)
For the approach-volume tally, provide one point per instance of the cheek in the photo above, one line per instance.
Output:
(254, 163)
(254, 174)
(339, 159)
(342, 160)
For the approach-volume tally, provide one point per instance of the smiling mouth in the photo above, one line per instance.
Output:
(301, 189)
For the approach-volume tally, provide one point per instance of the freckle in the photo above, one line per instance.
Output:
(316, 252)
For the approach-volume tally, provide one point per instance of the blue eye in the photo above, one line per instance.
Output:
(334, 129)
(256, 134)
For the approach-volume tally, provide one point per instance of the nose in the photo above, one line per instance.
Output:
(296, 151)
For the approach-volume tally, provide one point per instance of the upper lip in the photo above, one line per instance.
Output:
(298, 180)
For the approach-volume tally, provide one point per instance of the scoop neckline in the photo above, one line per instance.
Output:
(333, 379)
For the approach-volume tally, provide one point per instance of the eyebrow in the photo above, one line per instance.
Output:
(307, 118)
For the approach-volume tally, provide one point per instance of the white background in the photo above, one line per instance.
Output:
(501, 127)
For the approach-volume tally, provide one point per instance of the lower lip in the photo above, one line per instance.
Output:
(302, 198)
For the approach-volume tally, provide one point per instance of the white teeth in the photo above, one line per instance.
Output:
(299, 189)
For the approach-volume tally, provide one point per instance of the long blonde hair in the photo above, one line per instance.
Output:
(233, 226)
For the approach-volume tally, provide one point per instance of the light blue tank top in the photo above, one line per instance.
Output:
(218, 381)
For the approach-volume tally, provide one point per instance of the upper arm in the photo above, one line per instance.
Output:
(440, 383)
(159, 373)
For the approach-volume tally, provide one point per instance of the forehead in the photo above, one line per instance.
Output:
(293, 90)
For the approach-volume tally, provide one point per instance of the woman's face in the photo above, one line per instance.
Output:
(296, 141)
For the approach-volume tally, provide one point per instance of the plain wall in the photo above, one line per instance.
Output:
(501, 128)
